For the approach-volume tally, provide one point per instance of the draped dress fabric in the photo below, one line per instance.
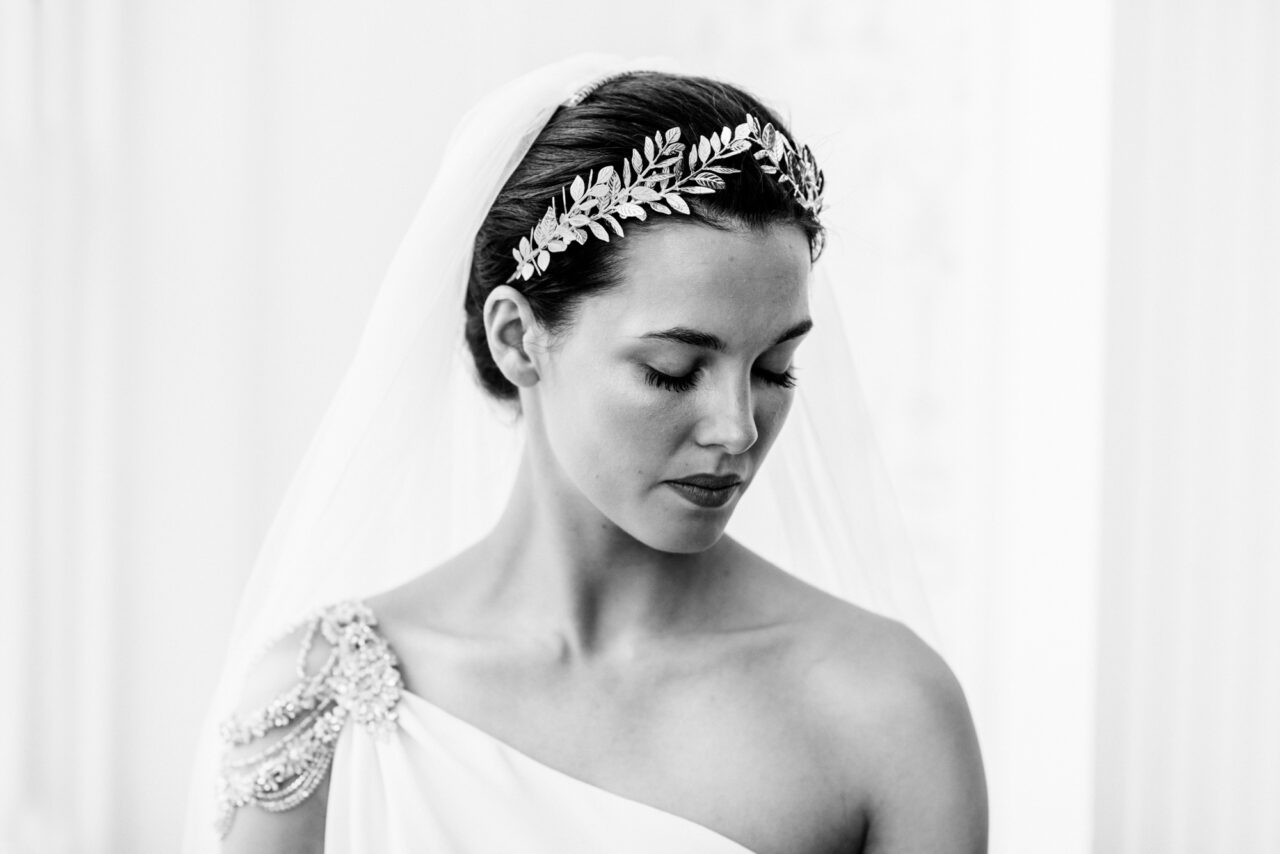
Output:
(441, 785)
(433, 783)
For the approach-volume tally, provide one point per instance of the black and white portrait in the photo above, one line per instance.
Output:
(756, 428)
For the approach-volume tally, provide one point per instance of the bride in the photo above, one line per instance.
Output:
(604, 668)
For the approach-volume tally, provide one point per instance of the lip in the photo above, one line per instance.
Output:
(704, 496)
(710, 481)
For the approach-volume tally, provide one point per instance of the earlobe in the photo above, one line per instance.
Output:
(508, 322)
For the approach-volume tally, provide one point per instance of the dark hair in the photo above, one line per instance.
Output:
(602, 130)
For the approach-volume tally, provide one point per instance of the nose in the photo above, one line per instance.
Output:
(730, 418)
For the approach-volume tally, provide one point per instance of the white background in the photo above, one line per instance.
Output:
(1057, 226)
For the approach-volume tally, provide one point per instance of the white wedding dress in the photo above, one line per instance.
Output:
(444, 786)
(407, 776)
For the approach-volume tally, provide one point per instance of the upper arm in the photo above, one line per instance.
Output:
(298, 829)
(929, 793)
(298, 700)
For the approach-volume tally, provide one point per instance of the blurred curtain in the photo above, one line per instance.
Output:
(1189, 676)
(61, 501)
(197, 201)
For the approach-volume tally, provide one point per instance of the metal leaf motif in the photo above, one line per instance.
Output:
(660, 178)
(542, 232)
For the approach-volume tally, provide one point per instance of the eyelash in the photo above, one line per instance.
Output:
(786, 379)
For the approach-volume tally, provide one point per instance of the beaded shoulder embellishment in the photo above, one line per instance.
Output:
(358, 682)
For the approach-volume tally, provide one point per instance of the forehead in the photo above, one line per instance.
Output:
(736, 284)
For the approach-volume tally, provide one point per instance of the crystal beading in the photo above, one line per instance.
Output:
(358, 681)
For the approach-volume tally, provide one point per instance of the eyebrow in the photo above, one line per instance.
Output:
(698, 338)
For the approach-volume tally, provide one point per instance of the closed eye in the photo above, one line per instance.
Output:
(670, 383)
(785, 379)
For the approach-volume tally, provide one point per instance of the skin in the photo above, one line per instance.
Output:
(607, 627)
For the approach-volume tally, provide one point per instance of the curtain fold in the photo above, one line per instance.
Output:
(1189, 670)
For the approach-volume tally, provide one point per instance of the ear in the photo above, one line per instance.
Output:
(512, 332)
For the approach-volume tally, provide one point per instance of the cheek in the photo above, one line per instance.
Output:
(777, 409)
(616, 437)
(614, 434)
(771, 413)
(636, 431)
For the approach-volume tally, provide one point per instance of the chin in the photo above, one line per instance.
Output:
(682, 536)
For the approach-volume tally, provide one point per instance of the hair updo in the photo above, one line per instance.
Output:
(600, 131)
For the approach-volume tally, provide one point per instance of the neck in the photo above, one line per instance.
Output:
(562, 571)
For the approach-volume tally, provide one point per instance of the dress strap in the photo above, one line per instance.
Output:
(359, 681)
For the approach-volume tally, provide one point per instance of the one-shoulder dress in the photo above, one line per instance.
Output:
(408, 776)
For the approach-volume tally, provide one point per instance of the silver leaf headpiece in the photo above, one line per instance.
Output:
(658, 180)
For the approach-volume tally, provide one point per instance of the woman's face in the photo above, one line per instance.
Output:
(681, 370)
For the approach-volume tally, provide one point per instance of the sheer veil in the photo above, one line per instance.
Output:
(411, 463)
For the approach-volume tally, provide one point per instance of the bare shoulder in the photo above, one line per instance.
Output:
(440, 596)
(898, 718)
